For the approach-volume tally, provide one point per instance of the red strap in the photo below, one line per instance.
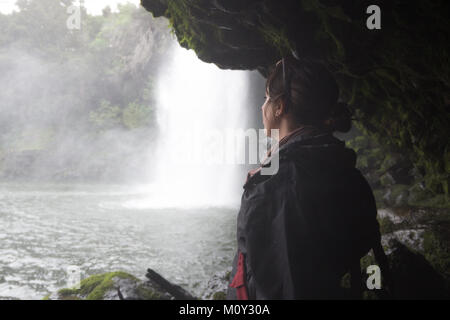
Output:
(239, 280)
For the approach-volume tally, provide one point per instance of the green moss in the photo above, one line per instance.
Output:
(182, 24)
(386, 180)
(358, 143)
(367, 260)
(106, 284)
(67, 292)
(388, 162)
(94, 287)
(381, 168)
(47, 297)
(276, 37)
(70, 297)
(386, 225)
(378, 194)
(370, 295)
(400, 194)
(436, 201)
(219, 296)
(147, 294)
(345, 281)
(136, 115)
(436, 246)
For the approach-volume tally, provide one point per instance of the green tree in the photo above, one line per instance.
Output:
(137, 115)
(106, 116)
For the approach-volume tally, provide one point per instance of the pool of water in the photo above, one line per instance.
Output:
(44, 229)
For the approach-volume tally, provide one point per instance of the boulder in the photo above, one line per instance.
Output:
(217, 286)
(114, 286)
(417, 242)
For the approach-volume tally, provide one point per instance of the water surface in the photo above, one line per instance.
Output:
(46, 228)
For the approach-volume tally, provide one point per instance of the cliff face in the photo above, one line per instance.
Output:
(397, 79)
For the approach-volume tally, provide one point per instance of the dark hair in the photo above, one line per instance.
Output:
(310, 93)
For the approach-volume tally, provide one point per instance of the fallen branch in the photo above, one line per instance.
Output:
(176, 291)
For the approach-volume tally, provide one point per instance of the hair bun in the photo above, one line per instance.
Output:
(341, 118)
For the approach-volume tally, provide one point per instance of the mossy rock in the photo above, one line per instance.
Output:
(95, 287)
(110, 286)
(400, 195)
(415, 276)
(387, 180)
(418, 193)
(386, 225)
(378, 194)
(217, 286)
(145, 292)
(431, 201)
(220, 296)
(420, 271)
(437, 248)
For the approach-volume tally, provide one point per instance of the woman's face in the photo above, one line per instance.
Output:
(270, 120)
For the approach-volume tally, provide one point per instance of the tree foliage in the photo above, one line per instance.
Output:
(77, 86)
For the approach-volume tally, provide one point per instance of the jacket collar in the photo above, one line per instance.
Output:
(298, 135)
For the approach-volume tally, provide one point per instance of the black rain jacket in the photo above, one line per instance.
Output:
(299, 230)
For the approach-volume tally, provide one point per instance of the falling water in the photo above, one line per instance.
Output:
(200, 108)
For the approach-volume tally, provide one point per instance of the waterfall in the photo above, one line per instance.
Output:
(199, 108)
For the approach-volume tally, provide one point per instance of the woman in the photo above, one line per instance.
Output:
(300, 230)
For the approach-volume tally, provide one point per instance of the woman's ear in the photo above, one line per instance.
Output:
(280, 108)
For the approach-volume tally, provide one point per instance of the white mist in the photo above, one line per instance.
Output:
(199, 108)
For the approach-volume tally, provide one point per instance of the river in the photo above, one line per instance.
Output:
(45, 228)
